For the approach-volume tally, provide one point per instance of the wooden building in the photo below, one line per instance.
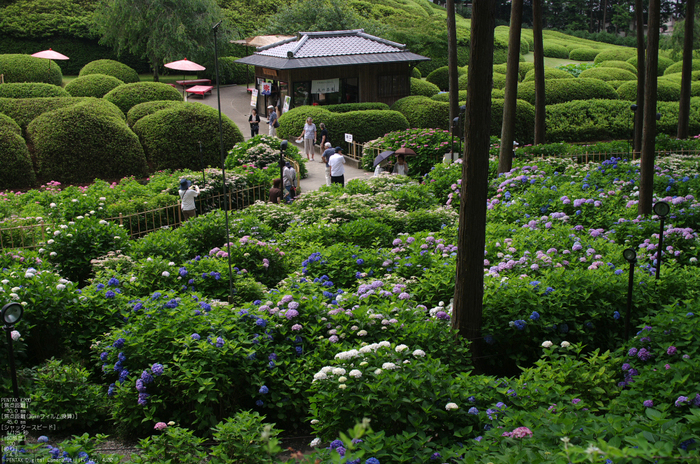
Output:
(327, 68)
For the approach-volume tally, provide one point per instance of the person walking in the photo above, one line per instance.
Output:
(324, 137)
(272, 121)
(325, 157)
(289, 177)
(254, 121)
(275, 191)
(337, 162)
(187, 196)
(309, 135)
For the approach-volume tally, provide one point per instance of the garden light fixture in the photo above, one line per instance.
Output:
(631, 257)
(11, 315)
(661, 209)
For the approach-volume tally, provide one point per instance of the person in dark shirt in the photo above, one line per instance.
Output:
(276, 191)
(254, 121)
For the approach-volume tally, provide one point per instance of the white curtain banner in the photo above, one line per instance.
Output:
(325, 86)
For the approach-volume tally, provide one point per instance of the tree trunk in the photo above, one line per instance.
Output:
(684, 108)
(539, 71)
(469, 285)
(505, 157)
(605, 15)
(154, 63)
(452, 60)
(646, 185)
(641, 59)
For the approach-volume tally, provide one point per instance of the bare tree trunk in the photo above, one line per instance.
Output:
(641, 59)
(684, 108)
(505, 157)
(540, 111)
(469, 286)
(605, 15)
(452, 60)
(646, 185)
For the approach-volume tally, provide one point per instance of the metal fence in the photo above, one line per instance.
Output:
(143, 222)
(587, 157)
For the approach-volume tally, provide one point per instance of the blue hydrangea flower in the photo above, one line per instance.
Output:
(146, 377)
(110, 392)
(195, 336)
(535, 316)
(113, 282)
(100, 286)
(119, 343)
(372, 461)
(263, 390)
(206, 307)
(219, 342)
(143, 399)
(103, 356)
(335, 444)
(157, 369)
(259, 403)
(616, 315)
(473, 411)
(520, 324)
(42, 439)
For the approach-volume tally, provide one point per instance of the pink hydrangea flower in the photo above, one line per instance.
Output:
(161, 426)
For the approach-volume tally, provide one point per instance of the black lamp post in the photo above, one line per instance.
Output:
(661, 209)
(631, 257)
(12, 314)
(215, 28)
(634, 128)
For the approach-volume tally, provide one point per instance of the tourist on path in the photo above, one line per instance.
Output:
(337, 162)
(324, 137)
(309, 135)
(254, 121)
(275, 191)
(187, 196)
(272, 121)
(325, 157)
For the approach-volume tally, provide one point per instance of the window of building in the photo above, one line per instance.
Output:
(391, 86)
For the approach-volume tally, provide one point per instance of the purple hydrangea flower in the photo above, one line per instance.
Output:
(473, 411)
(681, 400)
(671, 350)
(219, 344)
(263, 390)
(157, 369)
(333, 339)
(632, 352)
(119, 343)
(195, 336)
(644, 354)
(146, 377)
(291, 313)
(648, 404)
(335, 444)
(143, 399)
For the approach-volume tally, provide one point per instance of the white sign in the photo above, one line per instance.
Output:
(254, 98)
(325, 86)
(287, 101)
(266, 88)
(348, 138)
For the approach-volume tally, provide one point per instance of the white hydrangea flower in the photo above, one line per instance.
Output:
(363, 363)
(377, 372)
(565, 344)
(406, 361)
(79, 217)
(385, 344)
(355, 373)
(327, 369)
(354, 328)
(339, 371)
(60, 287)
(51, 241)
(63, 226)
(103, 222)
(342, 379)
(52, 205)
(15, 335)
(419, 353)
(547, 344)
(342, 386)
(365, 349)
(314, 422)
(362, 333)
(315, 442)
(389, 366)
(14, 296)
(56, 233)
(165, 274)
(171, 263)
(345, 355)
(451, 406)
(401, 348)
(320, 376)
(15, 289)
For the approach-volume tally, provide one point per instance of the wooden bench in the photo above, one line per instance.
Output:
(188, 82)
(200, 90)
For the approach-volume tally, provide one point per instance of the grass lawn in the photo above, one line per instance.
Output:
(552, 62)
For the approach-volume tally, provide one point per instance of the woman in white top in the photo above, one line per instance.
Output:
(187, 195)
(309, 134)
(400, 167)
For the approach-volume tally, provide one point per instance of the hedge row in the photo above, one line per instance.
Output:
(25, 68)
(666, 91)
(25, 110)
(440, 77)
(128, 95)
(85, 141)
(31, 90)
(608, 74)
(363, 125)
(171, 136)
(124, 73)
(425, 88)
(619, 64)
(144, 109)
(616, 54)
(583, 54)
(93, 85)
(549, 73)
(564, 90)
(347, 107)
(17, 170)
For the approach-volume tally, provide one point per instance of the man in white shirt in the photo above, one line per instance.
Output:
(290, 177)
(337, 162)
(326, 156)
(187, 195)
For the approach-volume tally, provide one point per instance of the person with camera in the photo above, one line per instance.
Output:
(188, 193)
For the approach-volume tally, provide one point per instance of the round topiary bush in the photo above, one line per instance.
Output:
(618, 64)
(17, 170)
(93, 85)
(292, 122)
(678, 67)
(423, 112)
(26, 68)
(664, 63)
(463, 81)
(415, 72)
(424, 88)
(24, 110)
(112, 68)
(171, 136)
(564, 90)
(31, 90)
(440, 77)
(524, 114)
(445, 96)
(347, 107)
(615, 54)
(523, 68)
(583, 54)
(549, 73)
(666, 91)
(678, 77)
(608, 74)
(85, 141)
(499, 81)
(144, 109)
(555, 51)
(128, 95)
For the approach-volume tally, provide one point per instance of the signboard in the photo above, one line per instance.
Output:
(325, 86)
(266, 88)
(254, 98)
(269, 72)
(348, 138)
(287, 101)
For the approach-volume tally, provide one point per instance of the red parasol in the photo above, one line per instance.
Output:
(50, 55)
(185, 65)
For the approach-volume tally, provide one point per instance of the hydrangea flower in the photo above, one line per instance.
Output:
(451, 406)
(473, 411)
(263, 390)
(195, 336)
(160, 426)
(671, 350)
(681, 399)
(157, 369)
(547, 344)
(648, 404)
(291, 313)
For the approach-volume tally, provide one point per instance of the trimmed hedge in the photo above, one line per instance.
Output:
(128, 95)
(678, 67)
(499, 81)
(144, 109)
(26, 68)
(415, 72)
(664, 63)
(608, 74)
(170, 137)
(616, 54)
(678, 77)
(619, 64)
(523, 69)
(524, 115)
(549, 73)
(498, 93)
(230, 72)
(463, 81)
(85, 141)
(93, 85)
(424, 88)
(24, 110)
(112, 68)
(31, 90)
(445, 96)
(555, 51)
(666, 91)
(363, 125)
(564, 90)
(440, 77)
(347, 107)
(583, 54)
(17, 170)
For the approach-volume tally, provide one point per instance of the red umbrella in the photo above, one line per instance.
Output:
(184, 65)
(50, 55)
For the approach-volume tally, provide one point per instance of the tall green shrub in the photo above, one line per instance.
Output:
(555, 51)
(617, 54)
(440, 77)
(127, 95)
(549, 73)
(563, 90)
(112, 68)
(608, 74)
(424, 88)
(31, 90)
(422, 111)
(17, 170)
(24, 110)
(583, 54)
(93, 85)
(26, 68)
